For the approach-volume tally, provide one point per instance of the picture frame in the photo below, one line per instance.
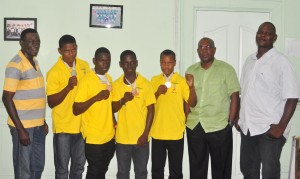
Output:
(14, 26)
(106, 16)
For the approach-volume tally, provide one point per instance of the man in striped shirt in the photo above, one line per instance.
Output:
(25, 102)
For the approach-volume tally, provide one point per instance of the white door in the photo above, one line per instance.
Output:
(232, 31)
(234, 35)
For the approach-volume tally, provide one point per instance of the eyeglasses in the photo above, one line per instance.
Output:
(205, 47)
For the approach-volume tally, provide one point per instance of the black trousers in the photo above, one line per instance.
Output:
(98, 158)
(160, 150)
(216, 144)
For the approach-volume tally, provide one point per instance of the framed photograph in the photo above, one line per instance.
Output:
(106, 16)
(14, 26)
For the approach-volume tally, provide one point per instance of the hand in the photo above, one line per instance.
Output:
(275, 131)
(104, 94)
(143, 140)
(72, 82)
(24, 137)
(189, 80)
(236, 125)
(46, 129)
(162, 89)
(128, 96)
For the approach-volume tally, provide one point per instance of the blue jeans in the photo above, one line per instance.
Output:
(160, 150)
(257, 150)
(29, 161)
(66, 147)
(139, 156)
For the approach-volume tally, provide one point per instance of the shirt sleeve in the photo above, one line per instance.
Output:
(232, 81)
(290, 82)
(12, 77)
(149, 95)
(52, 86)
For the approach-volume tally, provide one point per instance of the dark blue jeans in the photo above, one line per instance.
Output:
(217, 145)
(66, 147)
(29, 161)
(139, 156)
(160, 150)
(257, 150)
(99, 157)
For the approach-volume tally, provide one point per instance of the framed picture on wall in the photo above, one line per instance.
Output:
(106, 16)
(14, 26)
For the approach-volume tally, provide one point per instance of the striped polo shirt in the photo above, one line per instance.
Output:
(29, 88)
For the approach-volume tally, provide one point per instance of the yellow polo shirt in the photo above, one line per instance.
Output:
(28, 85)
(64, 121)
(169, 118)
(132, 116)
(97, 121)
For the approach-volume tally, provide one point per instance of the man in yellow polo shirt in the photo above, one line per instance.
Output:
(209, 131)
(171, 92)
(93, 100)
(133, 99)
(61, 86)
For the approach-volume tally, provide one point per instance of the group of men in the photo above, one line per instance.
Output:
(205, 104)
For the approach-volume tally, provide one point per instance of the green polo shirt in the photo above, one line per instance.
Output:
(214, 87)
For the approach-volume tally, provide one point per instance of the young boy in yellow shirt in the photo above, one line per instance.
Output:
(133, 99)
(93, 100)
(172, 92)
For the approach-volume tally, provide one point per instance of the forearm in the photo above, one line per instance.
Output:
(192, 101)
(56, 99)
(117, 105)
(186, 109)
(288, 112)
(234, 106)
(156, 94)
(79, 108)
(12, 112)
(149, 119)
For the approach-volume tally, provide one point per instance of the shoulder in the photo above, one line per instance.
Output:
(142, 79)
(15, 62)
(54, 69)
(224, 65)
(16, 59)
(82, 63)
(119, 80)
(194, 67)
(156, 78)
(179, 78)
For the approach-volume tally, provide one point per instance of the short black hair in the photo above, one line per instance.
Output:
(66, 39)
(168, 52)
(101, 50)
(25, 32)
(127, 52)
(271, 24)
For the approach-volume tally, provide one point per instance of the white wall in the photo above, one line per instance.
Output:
(149, 26)
(148, 29)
